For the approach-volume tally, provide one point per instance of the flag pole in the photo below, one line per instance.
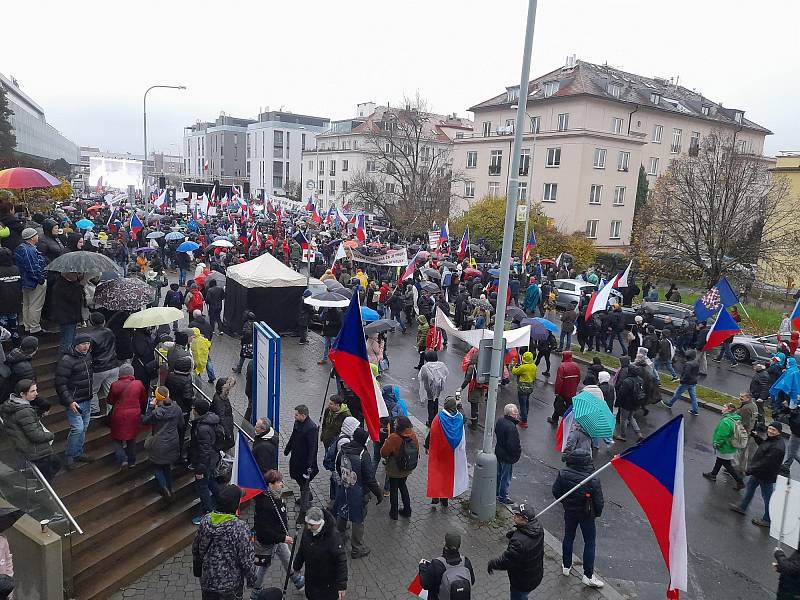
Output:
(745, 310)
(785, 506)
(595, 474)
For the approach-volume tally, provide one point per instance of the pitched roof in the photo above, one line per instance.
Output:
(591, 79)
(432, 126)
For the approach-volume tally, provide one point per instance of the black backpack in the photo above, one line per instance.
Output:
(408, 457)
(222, 441)
(638, 388)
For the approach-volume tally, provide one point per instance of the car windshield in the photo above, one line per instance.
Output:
(770, 339)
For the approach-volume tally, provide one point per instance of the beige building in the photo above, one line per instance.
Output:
(588, 129)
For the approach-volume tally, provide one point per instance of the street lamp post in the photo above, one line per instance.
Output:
(530, 186)
(483, 496)
(144, 124)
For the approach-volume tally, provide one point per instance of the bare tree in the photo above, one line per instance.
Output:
(292, 189)
(408, 175)
(719, 211)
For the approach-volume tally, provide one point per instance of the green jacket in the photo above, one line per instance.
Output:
(23, 426)
(422, 331)
(723, 434)
(526, 372)
(332, 424)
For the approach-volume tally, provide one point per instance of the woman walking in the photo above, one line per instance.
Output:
(127, 398)
(401, 451)
(526, 375)
(164, 444)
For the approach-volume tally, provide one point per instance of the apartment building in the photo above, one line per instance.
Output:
(588, 128)
(215, 151)
(275, 145)
(343, 151)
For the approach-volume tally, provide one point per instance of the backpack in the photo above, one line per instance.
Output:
(638, 389)
(408, 456)
(222, 441)
(456, 581)
(739, 437)
(329, 461)
(433, 340)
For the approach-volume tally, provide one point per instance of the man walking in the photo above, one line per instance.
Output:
(689, 376)
(665, 353)
(73, 383)
(214, 297)
(568, 318)
(302, 446)
(265, 445)
(105, 365)
(449, 573)
(616, 329)
(34, 285)
(203, 455)
(524, 557)
(335, 414)
(507, 450)
(322, 552)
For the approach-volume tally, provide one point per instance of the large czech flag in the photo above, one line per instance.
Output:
(795, 316)
(723, 328)
(653, 472)
(349, 357)
(246, 473)
(564, 427)
(447, 456)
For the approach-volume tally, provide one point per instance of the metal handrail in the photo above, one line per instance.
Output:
(202, 393)
(55, 496)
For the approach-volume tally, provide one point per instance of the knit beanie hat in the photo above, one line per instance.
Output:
(201, 406)
(450, 404)
(29, 344)
(452, 539)
(97, 319)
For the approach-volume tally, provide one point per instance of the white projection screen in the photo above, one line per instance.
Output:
(117, 173)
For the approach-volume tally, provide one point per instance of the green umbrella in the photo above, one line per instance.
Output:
(593, 415)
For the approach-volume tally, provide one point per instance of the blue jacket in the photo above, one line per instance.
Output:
(31, 265)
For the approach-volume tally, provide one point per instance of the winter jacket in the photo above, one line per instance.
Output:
(721, 440)
(609, 394)
(224, 549)
(524, 557)
(201, 446)
(627, 394)
(201, 323)
(67, 308)
(332, 424)
(166, 420)
(568, 377)
(652, 386)
(526, 371)
(616, 322)
(357, 475)
(31, 265)
(22, 425)
(51, 248)
(391, 451)
(325, 560)
(568, 318)
(215, 296)
(20, 364)
(15, 226)
(195, 301)
(270, 521)
(221, 406)
(508, 448)
(767, 459)
(265, 450)
(128, 397)
(587, 497)
(10, 290)
(422, 331)
(302, 446)
(173, 299)
(759, 385)
(748, 411)
(104, 349)
(73, 379)
(665, 349)
(180, 389)
(691, 369)
(788, 575)
(332, 323)
(794, 421)
(431, 573)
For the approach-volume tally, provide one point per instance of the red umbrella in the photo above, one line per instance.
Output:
(95, 207)
(547, 261)
(375, 245)
(21, 178)
(470, 272)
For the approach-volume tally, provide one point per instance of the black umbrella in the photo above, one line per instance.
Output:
(81, 261)
(448, 264)
(515, 313)
(344, 291)
(429, 286)
(332, 285)
(432, 274)
(380, 326)
(123, 294)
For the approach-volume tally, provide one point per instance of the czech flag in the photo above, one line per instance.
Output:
(795, 316)
(444, 234)
(246, 473)
(136, 225)
(349, 357)
(564, 427)
(341, 217)
(315, 215)
(415, 588)
(622, 280)
(161, 201)
(310, 205)
(301, 239)
(723, 328)
(529, 247)
(653, 472)
(412, 265)
(447, 456)
(361, 229)
(599, 300)
(463, 247)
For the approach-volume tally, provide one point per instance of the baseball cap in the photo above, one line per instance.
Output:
(525, 510)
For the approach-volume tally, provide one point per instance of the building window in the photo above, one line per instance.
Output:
(303, 141)
(344, 185)
(512, 93)
(741, 146)
(616, 125)
(371, 166)
(389, 187)
(472, 159)
(623, 161)
(311, 165)
(655, 98)
(496, 162)
(321, 186)
(619, 195)
(333, 168)
(522, 191)
(524, 161)
(616, 227)
(595, 194)
(658, 133)
(676, 141)
(469, 189)
(550, 88)
(277, 174)
(425, 153)
(599, 158)
(694, 143)
(487, 128)
(614, 89)
(553, 157)
(321, 168)
(331, 187)
(277, 144)
(738, 116)
(652, 167)
(288, 139)
(371, 187)
(550, 192)
(705, 110)
(563, 121)
(355, 144)
(494, 188)
(536, 124)
(345, 165)
(591, 229)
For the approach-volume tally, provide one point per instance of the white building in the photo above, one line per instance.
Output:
(216, 151)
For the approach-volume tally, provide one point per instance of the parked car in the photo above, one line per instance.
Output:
(656, 313)
(570, 290)
(746, 348)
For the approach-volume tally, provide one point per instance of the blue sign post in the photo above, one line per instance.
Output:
(266, 374)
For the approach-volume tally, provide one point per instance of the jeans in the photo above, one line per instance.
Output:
(517, 595)
(206, 489)
(215, 318)
(562, 338)
(725, 352)
(78, 424)
(181, 276)
(684, 387)
(398, 484)
(792, 451)
(163, 475)
(504, 471)
(67, 337)
(666, 365)
(327, 346)
(617, 335)
(210, 370)
(626, 417)
(524, 404)
(587, 525)
(750, 490)
(125, 451)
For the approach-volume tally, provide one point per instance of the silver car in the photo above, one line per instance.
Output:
(570, 290)
(746, 348)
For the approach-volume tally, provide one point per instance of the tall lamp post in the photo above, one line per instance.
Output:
(530, 187)
(483, 496)
(144, 123)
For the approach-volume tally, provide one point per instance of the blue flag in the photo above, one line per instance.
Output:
(720, 295)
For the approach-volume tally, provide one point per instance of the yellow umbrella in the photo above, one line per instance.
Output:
(151, 317)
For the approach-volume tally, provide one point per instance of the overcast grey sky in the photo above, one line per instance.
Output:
(88, 62)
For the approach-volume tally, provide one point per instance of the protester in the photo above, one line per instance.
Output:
(724, 449)
(322, 553)
(401, 451)
(32, 278)
(432, 378)
(127, 398)
(450, 575)
(526, 376)
(221, 406)
(165, 443)
(524, 557)
(568, 377)
(21, 415)
(302, 446)
(335, 413)
(507, 450)
(789, 575)
(265, 445)
(105, 365)
(203, 455)
(73, 383)
(447, 453)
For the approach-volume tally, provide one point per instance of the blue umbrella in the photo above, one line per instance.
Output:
(593, 415)
(174, 235)
(188, 247)
(368, 315)
(494, 273)
(540, 328)
(549, 325)
(84, 224)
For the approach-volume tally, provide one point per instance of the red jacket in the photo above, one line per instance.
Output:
(568, 377)
(195, 301)
(128, 397)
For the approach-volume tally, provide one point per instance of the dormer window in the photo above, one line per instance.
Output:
(705, 110)
(550, 88)
(738, 116)
(655, 98)
(512, 94)
(614, 88)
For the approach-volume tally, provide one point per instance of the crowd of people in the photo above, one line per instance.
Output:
(151, 379)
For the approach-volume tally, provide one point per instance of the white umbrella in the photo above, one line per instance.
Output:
(328, 300)
(222, 244)
(151, 317)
